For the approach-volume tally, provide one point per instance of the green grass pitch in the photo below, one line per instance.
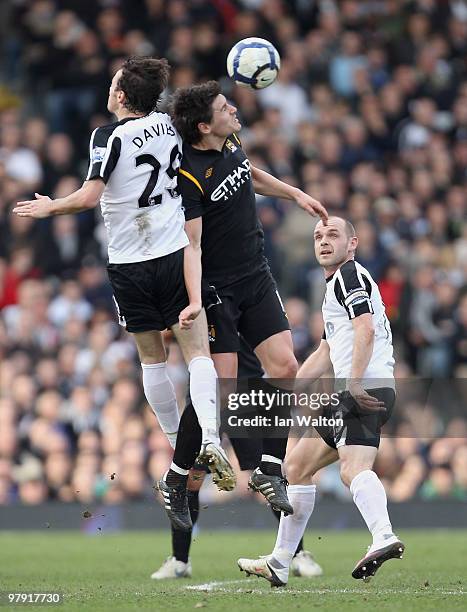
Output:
(111, 572)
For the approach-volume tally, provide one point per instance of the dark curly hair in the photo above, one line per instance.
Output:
(191, 106)
(143, 80)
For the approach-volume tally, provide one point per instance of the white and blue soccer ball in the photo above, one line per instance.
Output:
(254, 63)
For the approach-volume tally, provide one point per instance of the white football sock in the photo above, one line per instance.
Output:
(203, 393)
(271, 459)
(160, 393)
(292, 527)
(174, 467)
(370, 498)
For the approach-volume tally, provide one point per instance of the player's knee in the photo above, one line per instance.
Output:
(298, 473)
(349, 470)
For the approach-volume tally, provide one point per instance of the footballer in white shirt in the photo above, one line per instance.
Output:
(357, 345)
(154, 266)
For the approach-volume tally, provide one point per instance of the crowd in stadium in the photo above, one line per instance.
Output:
(368, 115)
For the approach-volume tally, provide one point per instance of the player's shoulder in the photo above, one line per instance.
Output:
(347, 271)
(352, 269)
(351, 277)
(194, 161)
(101, 134)
(99, 141)
(192, 172)
(362, 271)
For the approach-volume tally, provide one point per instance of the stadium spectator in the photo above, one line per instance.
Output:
(369, 114)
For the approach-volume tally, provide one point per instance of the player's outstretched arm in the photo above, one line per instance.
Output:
(364, 334)
(268, 185)
(84, 198)
(192, 273)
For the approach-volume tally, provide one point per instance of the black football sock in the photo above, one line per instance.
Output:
(181, 540)
(188, 439)
(275, 441)
(299, 547)
(270, 468)
(174, 479)
(193, 504)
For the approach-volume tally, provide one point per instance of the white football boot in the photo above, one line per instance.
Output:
(390, 547)
(171, 568)
(213, 456)
(266, 567)
(303, 565)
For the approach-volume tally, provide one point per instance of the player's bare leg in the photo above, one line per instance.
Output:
(194, 344)
(226, 365)
(277, 356)
(307, 457)
(370, 498)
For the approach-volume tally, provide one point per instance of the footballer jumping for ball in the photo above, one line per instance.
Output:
(218, 185)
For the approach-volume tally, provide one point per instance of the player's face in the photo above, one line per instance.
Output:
(113, 103)
(224, 117)
(332, 244)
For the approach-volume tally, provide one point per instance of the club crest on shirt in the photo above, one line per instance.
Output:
(230, 145)
(208, 173)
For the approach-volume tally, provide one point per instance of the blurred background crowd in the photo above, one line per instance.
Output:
(368, 115)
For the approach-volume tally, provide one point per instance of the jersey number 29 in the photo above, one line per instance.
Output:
(147, 198)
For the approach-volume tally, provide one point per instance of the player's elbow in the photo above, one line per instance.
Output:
(89, 194)
(195, 246)
(87, 200)
(89, 204)
(257, 186)
(285, 366)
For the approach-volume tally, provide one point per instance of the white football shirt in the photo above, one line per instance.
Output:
(138, 159)
(351, 292)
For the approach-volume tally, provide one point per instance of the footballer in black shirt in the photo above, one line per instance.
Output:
(218, 185)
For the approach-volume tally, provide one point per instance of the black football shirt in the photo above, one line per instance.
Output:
(217, 186)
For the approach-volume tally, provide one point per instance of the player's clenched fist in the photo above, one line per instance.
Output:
(188, 315)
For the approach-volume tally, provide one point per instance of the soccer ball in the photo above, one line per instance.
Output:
(253, 62)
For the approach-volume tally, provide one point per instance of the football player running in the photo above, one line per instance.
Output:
(154, 267)
(357, 343)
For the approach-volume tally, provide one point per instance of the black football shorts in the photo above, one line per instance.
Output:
(355, 426)
(149, 295)
(251, 307)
